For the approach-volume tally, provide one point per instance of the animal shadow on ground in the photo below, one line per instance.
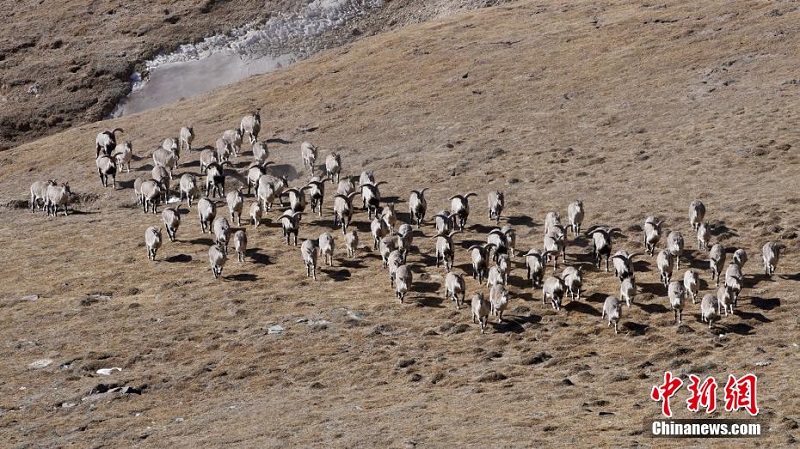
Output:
(514, 324)
(594, 297)
(426, 287)
(429, 300)
(467, 243)
(179, 258)
(641, 266)
(652, 308)
(720, 229)
(145, 167)
(635, 328)
(195, 163)
(125, 184)
(279, 140)
(480, 229)
(790, 277)
(428, 260)
(362, 226)
(392, 199)
(752, 316)
(580, 241)
(202, 241)
(240, 164)
(521, 220)
(580, 306)
(249, 277)
(351, 263)
(283, 170)
(465, 268)
(654, 288)
(75, 212)
(765, 303)
(258, 257)
(738, 328)
(337, 275)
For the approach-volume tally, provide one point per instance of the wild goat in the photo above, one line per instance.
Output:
(345, 187)
(106, 141)
(771, 253)
(497, 201)
(308, 153)
(387, 245)
(623, 264)
(601, 242)
(217, 256)
(534, 262)
(707, 309)
(690, 284)
(260, 152)
(150, 194)
(240, 244)
(555, 243)
(453, 286)
(652, 234)
(188, 187)
(256, 213)
(627, 290)
(389, 217)
(405, 236)
(371, 198)
(444, 249)
(161, 176)
(498, 240)
(222, 232)
(291, 224)
(233, 137)
(367, 177)
(459, 207)
(394, 261)
(417, 206)
(479, 256)
(716, 259)
(235, 202)
(251, 125)
(703, 235)
(185, 138)
(351, 243)
(677, 295)
(403, 279)
(309, 250)
(254, 172)
(504, 264)
(554, 288)
(297, 199)
(171, 144)
(106, 167)
(498, 298)
(734, 281)
(495, 276)
(612, 308)
(665, 262)
(724, 300)
(573, 279)
(207, 211)
(172, 220)
(378, 230)
(208, 157)
(215, 180)
(152, 239)
(443, 222)
(269, 189)
(56, 196)
(575, 213)
(675, 245)
(316, 194)
(39, 192)
(333, 167)
(343, 210)
(165, 158)
(550, 220)
(123, 154)
(480, 310)
(697, 212)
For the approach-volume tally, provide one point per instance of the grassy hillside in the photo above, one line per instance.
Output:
(636, 108)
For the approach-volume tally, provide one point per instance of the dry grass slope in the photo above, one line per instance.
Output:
(635, 108)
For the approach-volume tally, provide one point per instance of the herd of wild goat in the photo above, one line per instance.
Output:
(393, 242)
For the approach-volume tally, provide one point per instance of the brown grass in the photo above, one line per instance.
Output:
(636, 109)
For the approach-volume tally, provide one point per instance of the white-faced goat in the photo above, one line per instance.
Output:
(443, 222)
(553, 288)
(309, 250)
(215, 180)
(612, 310)
(343, 210)
(623, 264)
(454, 286)
(665, 261)
(675, 245)
(326, 248)
(459, 207)
(551, 219)
(233, 137)
(481, 308)
(707, 309)
(417, 206)
(371, 198)
(260, 152)
(106, 141)
(386, 246)
(573, 279)
(575, 215)
(150, 195)
(56, 196)
(291, 224)
(351, 243)
(235, 202)
(394, 261)
(152, 240)
(207, 211)
(389, 217)
(495, 276)
(739, 257)
(165, 158)
(254, 172)
(403, 279)
(627, 290)
(308, 153)
(497, 201)
(222, 231)
(251, 125)
(691, 283)
(444, 249)
(270, 189)
(123, 154)
(677, 295)
(652, 234)
(185, 138)
(771, 254)
(378, 230)
(345, 186)
(316, 195)
(734, 281)
(534, 262)
(208, 157)
(703, 235)
(498, 298)
(160, 175)
(405, 236)
(297, 199)
(217, 256)
(697, 212)
(555, 244)
(716, 260)
(497, 239)
(188, 188)
(366, 177)
(106, 167)
(256, 213)
(172, 220)
(240, 244)
(724, 300)
(601, 242)
(39, 192)
(172, 144)
(333, 167)
(479, 254)
(504, 264)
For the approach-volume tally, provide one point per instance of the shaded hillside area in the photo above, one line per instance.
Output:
(636, 108)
